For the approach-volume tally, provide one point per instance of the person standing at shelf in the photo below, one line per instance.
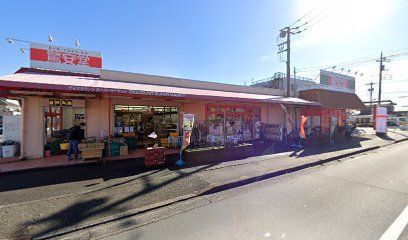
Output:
(75, 135)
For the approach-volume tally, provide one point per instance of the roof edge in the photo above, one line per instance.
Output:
(55, 72)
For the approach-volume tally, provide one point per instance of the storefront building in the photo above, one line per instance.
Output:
(334, 111)
(54, 101)
(122, 104)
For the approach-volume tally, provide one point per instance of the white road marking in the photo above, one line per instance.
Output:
(394, 231)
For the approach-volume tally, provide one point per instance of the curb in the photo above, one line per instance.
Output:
(214, 189)
(82, 164)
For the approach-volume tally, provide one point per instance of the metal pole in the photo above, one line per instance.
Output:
(294, 82)
(109, 128)
(288, 61)
(371, 97)
(380, 80)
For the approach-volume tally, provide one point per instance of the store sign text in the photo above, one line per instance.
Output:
(63, 58)
(124, 91)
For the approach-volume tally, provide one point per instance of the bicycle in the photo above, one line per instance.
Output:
(358, 133)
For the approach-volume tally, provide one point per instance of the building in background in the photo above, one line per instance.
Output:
(278, 81)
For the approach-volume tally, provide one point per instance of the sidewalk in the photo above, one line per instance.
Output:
(119, 198)
(61, 161)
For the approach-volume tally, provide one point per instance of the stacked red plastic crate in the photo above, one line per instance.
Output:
(155, 156)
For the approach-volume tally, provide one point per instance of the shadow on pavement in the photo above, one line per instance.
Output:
(79, 215)
(399, 133)
(136, 167)
(46, 177)
(354, 143)
(385, 137)
(100, 210)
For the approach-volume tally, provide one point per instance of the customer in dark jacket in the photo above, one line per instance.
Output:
(75, 136)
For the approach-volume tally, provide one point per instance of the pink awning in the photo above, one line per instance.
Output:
(88, 84)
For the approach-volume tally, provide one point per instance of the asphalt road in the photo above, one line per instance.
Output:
(359, 198)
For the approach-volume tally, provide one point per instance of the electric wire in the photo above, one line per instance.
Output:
(306, 15)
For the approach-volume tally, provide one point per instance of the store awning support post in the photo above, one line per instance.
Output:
(109, 127)
(224, 131)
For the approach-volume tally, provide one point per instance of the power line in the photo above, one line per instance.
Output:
(396, 81)
(315, 22)
(307, 14)
(355, 62)
(360, 60)
(344, 64)
(394, 92)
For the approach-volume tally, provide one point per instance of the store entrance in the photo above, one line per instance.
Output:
(140, 121)
(57, 122)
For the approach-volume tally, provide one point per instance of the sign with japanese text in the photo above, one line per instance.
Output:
(188, 123)
(337, 80)
(380, 118)
(65, 59)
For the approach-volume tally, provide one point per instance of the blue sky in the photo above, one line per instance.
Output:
(224, 41)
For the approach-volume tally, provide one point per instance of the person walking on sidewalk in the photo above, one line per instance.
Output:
(75, 136)
(302, 133)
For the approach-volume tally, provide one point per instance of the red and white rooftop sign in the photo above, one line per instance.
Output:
(65, 59)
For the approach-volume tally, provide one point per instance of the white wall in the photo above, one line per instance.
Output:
(12, 128)
(33, 128)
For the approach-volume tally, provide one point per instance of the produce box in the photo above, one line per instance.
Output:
(113, 152)
(91, 153)
(131, 142)
(160, 150)
(96, 145)
(164, 142)
(114, 146)
(82, 146)
(155, 156)
(124, 151)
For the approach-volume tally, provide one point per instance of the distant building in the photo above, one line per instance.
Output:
(385, 103)
(278, 81)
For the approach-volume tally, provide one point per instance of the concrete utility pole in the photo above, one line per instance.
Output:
(285, 32)
(294, 82)
(382, 68)
(371, 89)
(288, 60)
(380, 80)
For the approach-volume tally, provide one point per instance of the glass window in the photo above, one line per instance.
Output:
(139, 120)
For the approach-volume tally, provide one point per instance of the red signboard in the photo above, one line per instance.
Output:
(337, 80)
(65, 59)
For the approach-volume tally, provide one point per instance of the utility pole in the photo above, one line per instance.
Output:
(288, 60)
(371, 89)
(286, 32)
(294, 81)
(380, 80)
(382, 68)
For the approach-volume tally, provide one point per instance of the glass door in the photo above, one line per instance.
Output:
(53, 121)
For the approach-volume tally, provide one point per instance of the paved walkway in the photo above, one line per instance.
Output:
(61, 161)
(106, 200)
